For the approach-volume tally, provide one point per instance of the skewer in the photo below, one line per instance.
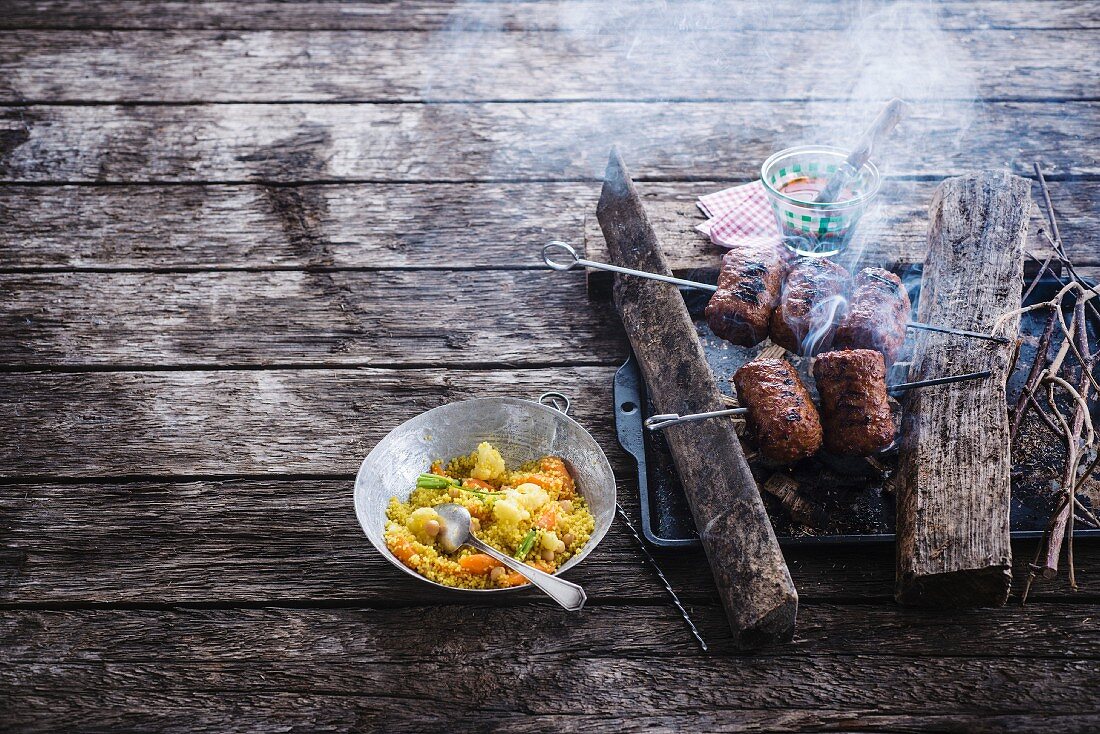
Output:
(957, 332)
(906, 386)
(660, 575)
(576, 261)
(664, 420)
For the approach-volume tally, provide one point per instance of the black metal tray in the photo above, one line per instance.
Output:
(855, 495)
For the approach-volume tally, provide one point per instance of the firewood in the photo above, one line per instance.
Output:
(752, 577)
(954, 474)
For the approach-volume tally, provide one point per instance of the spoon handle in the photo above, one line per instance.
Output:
(566, 593)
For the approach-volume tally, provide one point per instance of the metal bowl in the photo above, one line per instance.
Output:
(522, 430)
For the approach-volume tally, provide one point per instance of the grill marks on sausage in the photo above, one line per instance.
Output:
(855, 408)
(877, 314)
(781, 413)
(748, 290)
(805, 307)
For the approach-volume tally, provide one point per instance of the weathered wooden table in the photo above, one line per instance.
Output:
(240, 242)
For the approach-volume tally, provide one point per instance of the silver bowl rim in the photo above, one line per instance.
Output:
(594, 540)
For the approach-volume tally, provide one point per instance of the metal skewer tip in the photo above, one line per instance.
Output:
(664, 420)
(660, 575)
(903, 387)
(958, 332)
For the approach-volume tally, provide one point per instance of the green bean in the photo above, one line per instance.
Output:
(526, 544)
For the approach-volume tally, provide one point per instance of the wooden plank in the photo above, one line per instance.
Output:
(382, 226)
(187, 711)
(509, 142)
(322, 318)
(356, 636)
(247, 66)
(585, 682)
(224, 422)
(893, 237)
(571, 15)
(376, 226)
(954, 492)
(752, 578)
(272, 540)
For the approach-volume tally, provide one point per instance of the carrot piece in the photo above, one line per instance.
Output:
(513, 578)
(478, 484)
(548, 518)
(403, 550)
(478, 563)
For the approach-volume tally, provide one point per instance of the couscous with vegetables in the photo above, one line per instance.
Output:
(533, 513)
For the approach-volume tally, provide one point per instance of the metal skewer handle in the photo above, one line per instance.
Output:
(574, 261)
(664, 420)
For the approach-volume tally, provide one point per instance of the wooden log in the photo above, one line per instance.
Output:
(752, 577)
(954, 489)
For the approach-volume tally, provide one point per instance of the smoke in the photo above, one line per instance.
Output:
(748, 79)
(823, 320)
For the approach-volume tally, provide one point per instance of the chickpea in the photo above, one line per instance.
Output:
(431, 528)
(566, 506)
(568, 539)
(475, 525)
(560, 547)
(547, 555)
(454, 492)
(497, 574)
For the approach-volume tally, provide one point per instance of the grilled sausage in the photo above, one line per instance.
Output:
(854, 407)
(781, 413)
(748, 289)
(877, 314)
(811, 305)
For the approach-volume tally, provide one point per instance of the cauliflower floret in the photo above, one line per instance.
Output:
(532, 496)
(489, 464)
(422, 522)
(507, 511)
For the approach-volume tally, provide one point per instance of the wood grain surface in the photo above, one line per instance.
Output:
(472, 65)
(421, 226)
(569, 15)
(504, 142)
(955, 462)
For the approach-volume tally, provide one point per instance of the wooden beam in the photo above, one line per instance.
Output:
(752, 577)
(954, 489)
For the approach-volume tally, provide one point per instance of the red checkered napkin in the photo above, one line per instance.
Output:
(739, 216)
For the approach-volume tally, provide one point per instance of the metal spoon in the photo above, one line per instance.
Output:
(455, 532)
